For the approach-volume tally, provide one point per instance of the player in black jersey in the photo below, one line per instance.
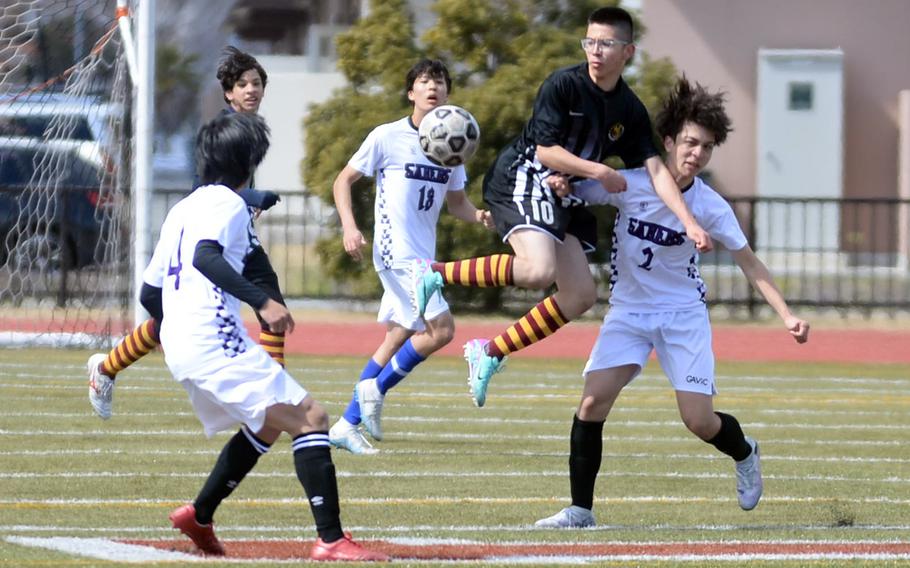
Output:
(582, 115)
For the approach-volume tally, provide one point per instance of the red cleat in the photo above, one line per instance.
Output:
(203, 536)
(345, 550)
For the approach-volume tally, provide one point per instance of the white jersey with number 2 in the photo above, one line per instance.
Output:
(410, 191)
(654, 265)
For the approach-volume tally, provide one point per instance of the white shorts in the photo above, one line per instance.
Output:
(682, 341)
(240, 391)
(396, 301)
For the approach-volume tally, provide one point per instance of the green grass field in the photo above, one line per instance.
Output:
(835, 442)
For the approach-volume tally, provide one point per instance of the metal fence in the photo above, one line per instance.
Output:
(843, 254)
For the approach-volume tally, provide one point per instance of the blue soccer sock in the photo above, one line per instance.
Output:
(402, 363)
(352, 412)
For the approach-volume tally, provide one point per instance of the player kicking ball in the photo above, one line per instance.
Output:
(658, 302)
(194, 285)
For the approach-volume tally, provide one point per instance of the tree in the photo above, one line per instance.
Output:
(499, 52)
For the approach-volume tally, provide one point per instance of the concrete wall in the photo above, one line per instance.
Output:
(716, 43)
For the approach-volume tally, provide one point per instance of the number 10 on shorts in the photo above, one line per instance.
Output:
(541, 211)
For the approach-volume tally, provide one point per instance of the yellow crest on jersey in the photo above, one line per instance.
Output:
(616, 131)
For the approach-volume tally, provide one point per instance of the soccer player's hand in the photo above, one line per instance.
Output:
(798, 328)
(700, 237)
(486, 218)
(611, 180)
(353, 243)
(559, 184)
(277, 316)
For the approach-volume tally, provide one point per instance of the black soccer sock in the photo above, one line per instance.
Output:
(316, 472)
(730, 439)
(237, 458)
(585, 451)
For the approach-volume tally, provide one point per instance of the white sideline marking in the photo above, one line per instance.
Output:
(486, 437)
(103, 549)
(434, 500)
(133, 451)
(385, 529)
(444, 474)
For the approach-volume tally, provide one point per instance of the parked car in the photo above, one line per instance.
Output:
(52, 207)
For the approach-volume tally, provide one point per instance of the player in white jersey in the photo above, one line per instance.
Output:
(193, 285)
(410, 191)
(658, 302)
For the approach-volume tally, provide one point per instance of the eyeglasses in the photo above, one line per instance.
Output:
(591, 44)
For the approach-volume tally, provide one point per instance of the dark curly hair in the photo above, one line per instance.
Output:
(235, 63)
(693, 104)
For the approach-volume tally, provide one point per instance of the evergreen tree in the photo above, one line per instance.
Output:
(499, 52)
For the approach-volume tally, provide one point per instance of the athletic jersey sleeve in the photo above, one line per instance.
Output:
(594, 193)
(640, 142)
(550, 118)
(369, 157)
(722, 224)
(458, 179)
(229, 222)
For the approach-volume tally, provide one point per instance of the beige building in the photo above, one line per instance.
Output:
(818, 95)
(717, 42)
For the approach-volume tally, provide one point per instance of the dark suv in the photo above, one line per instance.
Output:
(49, 203)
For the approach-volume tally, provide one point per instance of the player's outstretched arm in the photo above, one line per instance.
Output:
(760, 278)
(461, 207)
(341, 191)
(559, 159)
(669, 193)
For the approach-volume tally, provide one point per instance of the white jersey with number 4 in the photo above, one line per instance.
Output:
(410, 191)
(654, 265)
(202, 330)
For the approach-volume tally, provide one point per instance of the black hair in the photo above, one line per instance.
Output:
(229, 147)
(693, 104)
(615, 17)
(432, 67)
(234, 63)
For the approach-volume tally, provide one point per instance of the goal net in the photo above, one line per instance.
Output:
(65, 209)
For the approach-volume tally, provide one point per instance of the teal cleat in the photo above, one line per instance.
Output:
(481, 367)
(424, 283)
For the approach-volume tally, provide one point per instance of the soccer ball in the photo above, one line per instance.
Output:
(449, 135)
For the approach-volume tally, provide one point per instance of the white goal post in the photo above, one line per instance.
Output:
(76, 103)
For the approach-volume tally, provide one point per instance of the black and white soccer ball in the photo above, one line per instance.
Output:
(449, 135)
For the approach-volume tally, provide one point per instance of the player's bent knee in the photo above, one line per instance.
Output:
(701, 426)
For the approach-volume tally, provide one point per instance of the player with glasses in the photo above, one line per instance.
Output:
(593, 45)
(583, 114)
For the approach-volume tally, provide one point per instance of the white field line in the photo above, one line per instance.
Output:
(133, 451)
(35, 383)
(527, 421)
(114, 551)
(104, 549)
(486, 437)
(35, 475)
(616, 414)
(250, 531)
(159, 372)
(441, 500)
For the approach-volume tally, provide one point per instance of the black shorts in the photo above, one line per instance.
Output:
(543, 215)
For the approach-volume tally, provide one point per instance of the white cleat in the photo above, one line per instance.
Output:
(346, 436)
(370, 400)
(100, 387)
(749, 484)
(571, 517)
